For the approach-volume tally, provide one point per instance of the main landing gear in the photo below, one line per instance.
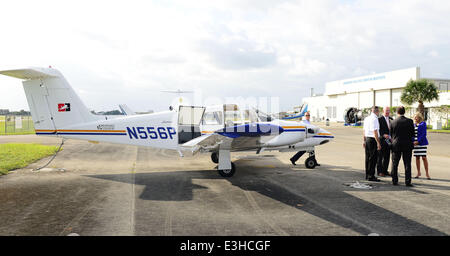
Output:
(215, 157)
(227, 172)
(225, 167)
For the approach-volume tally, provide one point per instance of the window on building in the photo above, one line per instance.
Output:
(328, 112)
(443, 87)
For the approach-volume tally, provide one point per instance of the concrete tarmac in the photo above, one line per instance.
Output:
(107, 189)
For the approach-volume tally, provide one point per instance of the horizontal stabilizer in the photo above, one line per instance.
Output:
(31, 73)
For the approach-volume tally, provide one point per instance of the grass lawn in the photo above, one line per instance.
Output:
(428, 130)
(439, 131)
(15, 156)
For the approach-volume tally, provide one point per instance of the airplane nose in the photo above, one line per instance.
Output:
(326, 134)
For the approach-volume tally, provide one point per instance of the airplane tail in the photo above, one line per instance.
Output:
(52, 101)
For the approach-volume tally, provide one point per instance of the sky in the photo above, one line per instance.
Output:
(127, 52)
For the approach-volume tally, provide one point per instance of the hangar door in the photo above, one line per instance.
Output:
(383, 98)
(189, 118)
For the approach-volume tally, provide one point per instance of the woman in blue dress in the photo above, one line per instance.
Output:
(420, 144)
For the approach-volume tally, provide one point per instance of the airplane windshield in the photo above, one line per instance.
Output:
(212, 118)
(233, 115)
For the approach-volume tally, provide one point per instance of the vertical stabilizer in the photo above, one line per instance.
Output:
(52, 101)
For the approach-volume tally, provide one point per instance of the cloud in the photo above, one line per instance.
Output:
(238, 54)
(226, 48)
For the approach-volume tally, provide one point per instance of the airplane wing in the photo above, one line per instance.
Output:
(240, 137)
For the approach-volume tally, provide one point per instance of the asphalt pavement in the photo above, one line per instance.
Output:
(108, 189)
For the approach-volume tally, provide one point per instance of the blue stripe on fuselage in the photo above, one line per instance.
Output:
(294, 130)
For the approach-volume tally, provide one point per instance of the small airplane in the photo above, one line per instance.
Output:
(219, 130)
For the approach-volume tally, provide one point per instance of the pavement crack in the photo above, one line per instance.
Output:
(261, 214)
(68, 228)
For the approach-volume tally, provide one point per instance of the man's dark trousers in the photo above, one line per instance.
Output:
(384, 155)
(406, 155)
(371, 157)
(300, 154)
(297, 156)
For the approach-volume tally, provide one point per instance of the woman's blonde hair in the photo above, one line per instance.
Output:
(420, 116)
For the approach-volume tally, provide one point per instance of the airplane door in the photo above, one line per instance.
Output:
(189, 118)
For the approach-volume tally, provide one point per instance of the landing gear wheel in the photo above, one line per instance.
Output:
(228, 173)
(215, 158)
(310, 163)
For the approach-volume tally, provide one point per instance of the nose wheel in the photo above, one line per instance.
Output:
(310, 162)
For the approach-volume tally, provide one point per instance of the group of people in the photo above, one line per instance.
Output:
(402, 136)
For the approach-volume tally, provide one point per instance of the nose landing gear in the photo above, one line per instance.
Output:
(311, 161)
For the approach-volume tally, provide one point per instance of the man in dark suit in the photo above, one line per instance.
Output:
(385, 134)
(402, 132)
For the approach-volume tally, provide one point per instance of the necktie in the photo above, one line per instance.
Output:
(389, 126)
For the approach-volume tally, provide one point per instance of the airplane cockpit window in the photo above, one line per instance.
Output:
(313, 130)
(212, 118)
(233, 115)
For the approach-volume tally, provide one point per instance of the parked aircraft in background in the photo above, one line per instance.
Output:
(302, 113)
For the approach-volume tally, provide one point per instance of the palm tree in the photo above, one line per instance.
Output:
(420, 91)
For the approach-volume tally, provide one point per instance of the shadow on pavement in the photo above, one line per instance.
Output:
(326, 198)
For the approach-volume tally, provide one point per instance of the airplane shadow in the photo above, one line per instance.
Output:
(333, 205)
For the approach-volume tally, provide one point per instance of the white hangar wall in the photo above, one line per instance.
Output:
(383, 89)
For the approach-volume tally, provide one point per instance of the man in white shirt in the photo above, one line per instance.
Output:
(371, 143)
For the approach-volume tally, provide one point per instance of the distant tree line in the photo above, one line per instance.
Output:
(22, 112)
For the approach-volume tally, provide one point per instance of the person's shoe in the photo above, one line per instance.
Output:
(417, 177)
(428, 178)
(381, 174)
(409, 185)
(293, 162)
(374, 179)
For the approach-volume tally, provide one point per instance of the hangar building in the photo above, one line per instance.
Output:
(383, 89)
